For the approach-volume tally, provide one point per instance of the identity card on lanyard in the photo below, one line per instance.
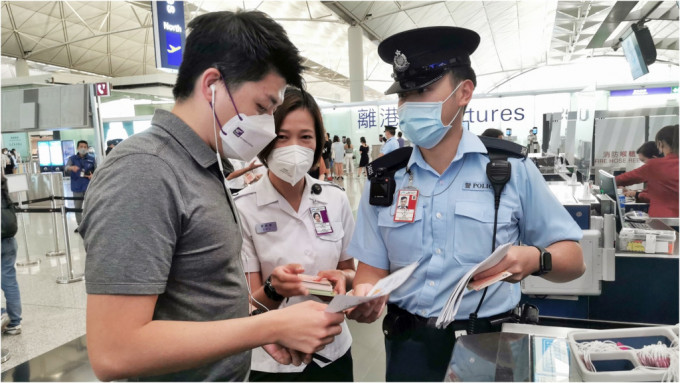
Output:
(407, 200)
(322, 224)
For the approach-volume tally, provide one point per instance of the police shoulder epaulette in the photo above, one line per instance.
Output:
(505, 148)
(390, 162)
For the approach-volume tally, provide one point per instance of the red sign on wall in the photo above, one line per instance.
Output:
(102, 89)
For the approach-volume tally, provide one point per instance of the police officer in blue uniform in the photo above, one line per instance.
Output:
(80, 166)
(456, 213)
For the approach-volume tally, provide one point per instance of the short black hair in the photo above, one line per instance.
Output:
(491, 132)
(399, 134)
(403, 197)
(649, 149)
(462, 73)
(243, 46)
(391, 129)
(82, 142)
(293, 100)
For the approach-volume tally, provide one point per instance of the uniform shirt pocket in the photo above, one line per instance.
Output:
(337, 234)
(403, 240)
(473, 225)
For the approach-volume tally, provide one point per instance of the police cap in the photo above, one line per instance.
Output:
(420, 57)
(391, 129)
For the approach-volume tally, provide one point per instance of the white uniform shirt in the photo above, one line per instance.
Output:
(294, 241)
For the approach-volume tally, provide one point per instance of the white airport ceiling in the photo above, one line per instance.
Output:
(115, 39)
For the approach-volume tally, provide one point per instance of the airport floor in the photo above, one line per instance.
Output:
(52, 345)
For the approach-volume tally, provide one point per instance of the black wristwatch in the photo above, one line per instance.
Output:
(545, 262)
(257, 312)
(270, 291)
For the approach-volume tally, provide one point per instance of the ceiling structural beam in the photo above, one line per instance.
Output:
(84, 23)
(349, 18)
(65, 32)
(493, 38)
(578, 28)
(108, 37)
(651, 11)
(14, 29)
(85, 38)
(146, 44)
(616, 15)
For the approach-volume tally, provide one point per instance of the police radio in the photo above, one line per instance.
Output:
(382, 188)
(380, 173)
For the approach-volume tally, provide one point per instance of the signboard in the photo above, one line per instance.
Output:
(643, 91)
(169, 33)
(516, 113)
(18, 141)
(102, 89)
(617, 140)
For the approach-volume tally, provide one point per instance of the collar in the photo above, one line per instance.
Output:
(266, 193)
(389, 139)
(469, 143)
(185, 136)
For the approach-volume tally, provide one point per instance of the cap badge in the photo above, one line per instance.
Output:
(400, 62)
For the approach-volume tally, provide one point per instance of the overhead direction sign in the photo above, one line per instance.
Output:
(168, 33)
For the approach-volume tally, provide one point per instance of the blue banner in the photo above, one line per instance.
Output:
(641, 91)
(169, 33)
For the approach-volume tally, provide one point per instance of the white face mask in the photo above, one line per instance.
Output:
(82, 151)
(290, 163)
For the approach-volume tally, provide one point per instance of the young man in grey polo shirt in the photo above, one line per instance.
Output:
(167, 296)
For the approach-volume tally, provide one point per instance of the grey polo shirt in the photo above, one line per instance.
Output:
(158, 221)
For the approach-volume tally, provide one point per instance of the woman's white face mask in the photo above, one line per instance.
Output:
(290, 163)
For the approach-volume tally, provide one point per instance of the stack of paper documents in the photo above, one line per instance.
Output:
(382, 288)
(451, 308)
(316, 285)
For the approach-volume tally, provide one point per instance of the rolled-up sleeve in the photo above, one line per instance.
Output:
(367, 244)
(545, 221)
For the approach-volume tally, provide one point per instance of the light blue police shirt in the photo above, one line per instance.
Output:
(391, 145)
(453, 228)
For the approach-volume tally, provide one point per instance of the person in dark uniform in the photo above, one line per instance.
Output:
(455, 202)
(80, 167)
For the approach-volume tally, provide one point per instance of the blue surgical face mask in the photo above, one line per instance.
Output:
(421, 122)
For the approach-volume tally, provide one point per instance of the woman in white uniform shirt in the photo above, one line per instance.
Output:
(281, 239)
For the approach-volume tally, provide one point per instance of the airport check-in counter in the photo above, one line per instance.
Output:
(618, 285)
(627, 296)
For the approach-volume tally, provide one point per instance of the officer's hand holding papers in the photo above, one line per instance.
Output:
(381, 289)
(451, 308)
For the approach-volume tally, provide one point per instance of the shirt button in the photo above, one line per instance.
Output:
(308, 252)
(422, 312)
(439, 215)
(431, 283)
(438, 251)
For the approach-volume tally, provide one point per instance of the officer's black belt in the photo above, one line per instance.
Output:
(457, 325)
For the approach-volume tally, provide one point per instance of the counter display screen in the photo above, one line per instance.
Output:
(44, 153)
(56, 155)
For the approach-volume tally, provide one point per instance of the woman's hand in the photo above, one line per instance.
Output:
(337, 278)
(286, 281)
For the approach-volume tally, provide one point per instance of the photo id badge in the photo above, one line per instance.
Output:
(407, 200)
(322, 224)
